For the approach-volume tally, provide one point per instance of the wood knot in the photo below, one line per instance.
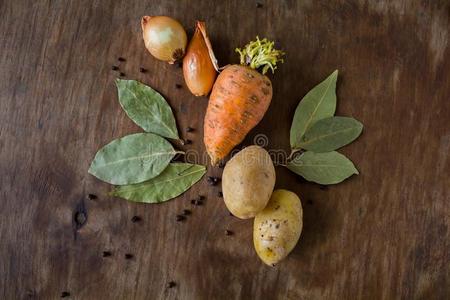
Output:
(79, 216)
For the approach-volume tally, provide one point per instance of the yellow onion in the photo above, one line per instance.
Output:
(164, 38)
(200, 65)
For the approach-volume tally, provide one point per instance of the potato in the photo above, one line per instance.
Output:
(277, 228)
(248, 181)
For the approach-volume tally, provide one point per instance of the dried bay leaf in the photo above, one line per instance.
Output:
(318, 103)
(330, 134)
(132, 159)
(323, 168)
(172, 182)
(147, 108)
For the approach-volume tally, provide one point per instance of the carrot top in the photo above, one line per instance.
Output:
(260, 53)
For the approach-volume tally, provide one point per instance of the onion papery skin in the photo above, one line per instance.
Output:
(198, 67)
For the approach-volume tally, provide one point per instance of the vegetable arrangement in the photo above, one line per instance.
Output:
(140, 164)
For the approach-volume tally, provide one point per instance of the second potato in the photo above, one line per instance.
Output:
(248, 181)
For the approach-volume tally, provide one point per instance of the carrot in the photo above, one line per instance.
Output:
(239, 99)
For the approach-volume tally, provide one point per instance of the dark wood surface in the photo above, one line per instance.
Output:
(381, 235)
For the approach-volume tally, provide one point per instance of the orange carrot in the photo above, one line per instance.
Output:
(239, 99)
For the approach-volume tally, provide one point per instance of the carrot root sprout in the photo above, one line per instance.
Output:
(261, 53)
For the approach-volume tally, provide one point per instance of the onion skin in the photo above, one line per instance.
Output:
(164, 38)
(198, 68)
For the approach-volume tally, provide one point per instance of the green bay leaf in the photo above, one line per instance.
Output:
(323, 168)
(132, 159)
(330, 134)
(147, 108)
(319, 103)
(172, 182)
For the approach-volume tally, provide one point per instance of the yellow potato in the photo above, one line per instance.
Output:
(277, 228)
(248, 181)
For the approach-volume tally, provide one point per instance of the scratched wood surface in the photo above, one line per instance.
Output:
(381, 235)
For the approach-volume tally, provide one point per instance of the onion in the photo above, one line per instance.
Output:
(199, 64)
(164, 38)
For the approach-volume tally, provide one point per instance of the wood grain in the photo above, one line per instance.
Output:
(381, 235)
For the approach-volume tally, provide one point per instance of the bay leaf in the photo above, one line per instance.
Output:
(330, 134)
(147, 108)
(172, 182)
(323, 168)
(131, 159)
(319, 103)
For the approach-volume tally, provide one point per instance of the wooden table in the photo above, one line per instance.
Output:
(381, 235)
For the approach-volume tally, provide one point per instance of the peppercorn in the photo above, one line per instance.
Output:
(136, 219)
(65, 294)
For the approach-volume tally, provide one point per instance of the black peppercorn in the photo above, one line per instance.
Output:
(178, 86)
(106, 254)
(121, 59)
(136, 219)
(171, 284)
(142, 70)
(228, 232)
(197, 202)
(129, 256)
(114, 68)
(323, 187)
(65, 294)
(211, 180)
(186, 212)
